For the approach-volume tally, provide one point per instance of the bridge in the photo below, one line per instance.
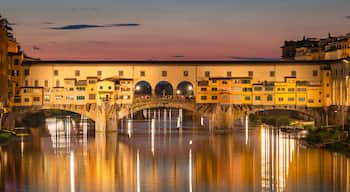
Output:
(221, 116)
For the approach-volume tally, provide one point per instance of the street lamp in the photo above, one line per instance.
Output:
(190, 88)
(138, 88)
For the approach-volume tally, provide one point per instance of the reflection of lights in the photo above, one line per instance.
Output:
(178, 92)
(190, 170)
(153, 134)
(22, 146)
(190, 88)
(246, 129)
(190, 142)
(138, 88)
(72, 188)
(129, 128)
(138, 170)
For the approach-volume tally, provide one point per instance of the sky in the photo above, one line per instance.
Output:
(169, 29)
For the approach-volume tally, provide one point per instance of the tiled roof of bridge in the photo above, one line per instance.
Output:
(170, 62)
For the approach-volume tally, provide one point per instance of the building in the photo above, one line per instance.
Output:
(331, 48)
(3, 66)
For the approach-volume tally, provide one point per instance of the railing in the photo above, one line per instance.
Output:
(169, 98)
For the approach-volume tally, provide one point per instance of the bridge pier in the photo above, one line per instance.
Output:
(222, 117)
(106, 118)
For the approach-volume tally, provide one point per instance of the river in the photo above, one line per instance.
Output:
(252, 158)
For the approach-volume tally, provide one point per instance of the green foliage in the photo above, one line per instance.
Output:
(276, 120)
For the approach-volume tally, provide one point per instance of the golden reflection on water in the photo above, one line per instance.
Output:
(268, 161)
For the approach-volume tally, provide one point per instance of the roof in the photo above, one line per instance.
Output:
(171, 62)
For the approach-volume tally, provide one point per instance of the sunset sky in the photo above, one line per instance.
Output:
(169, 29)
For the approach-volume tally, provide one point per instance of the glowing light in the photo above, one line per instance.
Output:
(138, 88)
(72, 187)
(178, 92)
(190, 88)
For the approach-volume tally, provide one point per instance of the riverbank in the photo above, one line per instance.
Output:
(333, 139)
(6, 136)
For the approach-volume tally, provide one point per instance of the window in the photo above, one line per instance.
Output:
(257, 88)
(280, 99)
(214, 97)
(224, 82)
(293, 73)
(92, 96)
(36, 99)
(46, 83)
(99, 73)
(101, 87)
(186, 73)
(203, 89)
(257, 98)
(17, 99)
(225, 97)
(290, 99)
(57, 83)
(269, 88)
(311, 101)
(301, 89)
(203, 97)
(250, 73)
(81, 97)
(47, 98)
(214, 89)
(121, 73)
(36, 83)
(92, 81)
(164, 73)
(26, 83)
(16, 61)
(55, 73)
(290, 89)
(315, 73)
(247, 98)
(26, 99)
(269, 98)
(109, 87)
(26, 72)
(77, 73)
(272, 73)
(246, 81)
(207, 73)
(247, 89)
(327, 84)
(69, 97)
(142, 73)
(229, 73)
(301, 99)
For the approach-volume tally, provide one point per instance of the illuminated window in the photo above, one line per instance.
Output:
(186, 73)
(250, 73)
(269, 98)
(142, 73)
(293, 73)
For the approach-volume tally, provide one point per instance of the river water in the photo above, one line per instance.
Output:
(252, 158)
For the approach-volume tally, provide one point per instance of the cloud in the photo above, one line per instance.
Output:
(48, 23)
(86, 26)
(347, 17)
(251, 58)
(36, 48)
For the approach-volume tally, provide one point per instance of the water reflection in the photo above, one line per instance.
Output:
(191, 161)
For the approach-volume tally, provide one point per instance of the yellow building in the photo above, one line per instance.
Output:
(3, 67)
